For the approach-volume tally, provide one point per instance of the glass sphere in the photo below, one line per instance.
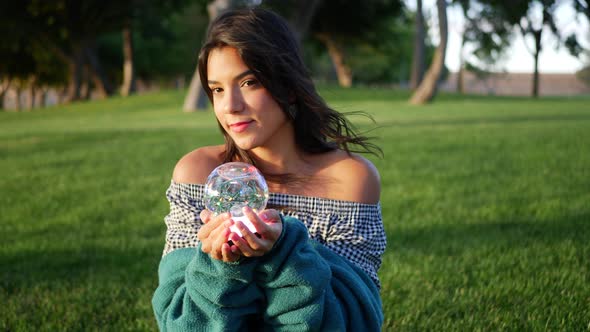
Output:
(231, 186)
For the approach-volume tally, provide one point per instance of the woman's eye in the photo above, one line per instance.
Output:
(216, 90)
(249, 83)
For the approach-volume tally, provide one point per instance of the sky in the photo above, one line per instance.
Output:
(518, 58)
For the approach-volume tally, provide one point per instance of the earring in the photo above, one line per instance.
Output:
(292, 110)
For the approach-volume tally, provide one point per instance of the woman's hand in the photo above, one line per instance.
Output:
(214, 235)
(268, 226)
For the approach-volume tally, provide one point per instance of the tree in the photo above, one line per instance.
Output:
(71, 31)
(427, 88)
(128, 66)
(582, 7)
(24, 63)
(338, 23)
(488, 34)
(196, 98)
(577, 50)
(530, 25)
(531, 18)
(419, 47)
(302, 16)
(156, 44)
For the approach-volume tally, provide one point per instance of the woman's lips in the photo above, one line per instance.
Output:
(239, 127)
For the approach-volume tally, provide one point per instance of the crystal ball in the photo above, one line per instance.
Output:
(232, 186)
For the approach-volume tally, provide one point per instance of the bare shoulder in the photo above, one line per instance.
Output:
(354, 178)
(195, 166)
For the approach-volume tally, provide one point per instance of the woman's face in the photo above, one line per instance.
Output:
(244, 108)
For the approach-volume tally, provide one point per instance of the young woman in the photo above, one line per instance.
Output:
(314, 264)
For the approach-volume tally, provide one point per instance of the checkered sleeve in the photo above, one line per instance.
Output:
(357, 233)
(183, 221)
(350, 229)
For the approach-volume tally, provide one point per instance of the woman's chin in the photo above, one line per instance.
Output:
(245, 145)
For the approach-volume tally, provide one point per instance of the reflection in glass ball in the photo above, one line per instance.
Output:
(231, 186)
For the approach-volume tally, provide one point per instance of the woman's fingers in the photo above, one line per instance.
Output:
(209, 243)
(265, 223)
(270, 215)
(205, 216)
(215, 233)
(220, 249)
(243, 246)
(251, 244)
(227, 254)
(211, 224)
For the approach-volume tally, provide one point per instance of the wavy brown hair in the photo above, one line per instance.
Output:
(269, 48)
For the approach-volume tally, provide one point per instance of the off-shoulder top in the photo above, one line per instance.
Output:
(350, 229)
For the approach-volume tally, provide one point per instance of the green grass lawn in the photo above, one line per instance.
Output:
(486, 203)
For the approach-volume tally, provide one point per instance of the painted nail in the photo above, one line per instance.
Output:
(264, 216)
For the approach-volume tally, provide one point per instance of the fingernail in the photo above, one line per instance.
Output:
(264, 216)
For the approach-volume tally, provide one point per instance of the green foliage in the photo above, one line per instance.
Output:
(173, 49)
(49, 35)
(353, 18)
(487, 31)
(573, 46)
(21, 60)
(376, 38)
(382, 57)
(21, 56)
(485, 204)
(164, 46)
(385, 54)
(349, 18)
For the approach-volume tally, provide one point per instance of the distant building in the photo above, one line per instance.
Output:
(518, 84)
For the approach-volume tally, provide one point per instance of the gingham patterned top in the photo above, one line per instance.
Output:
(352, 230)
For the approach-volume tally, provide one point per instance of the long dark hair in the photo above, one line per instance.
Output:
(269, 48)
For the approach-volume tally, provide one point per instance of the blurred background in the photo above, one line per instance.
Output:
(485, 188)
(56, 52)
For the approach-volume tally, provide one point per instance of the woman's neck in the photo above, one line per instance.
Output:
(287, 160)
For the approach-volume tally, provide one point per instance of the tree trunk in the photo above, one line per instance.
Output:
(62, 95)
(196, 98)
(32, 95)
(419, 47)
(343, 71)
(302, 17)
(86, 89)
(18, 104)
(461, 72)
(128, 72)
(75, 77)
(97, 74)
(3, 88)
(461, 80)
(538, 47)
(2, 94)
(427, 89)
(42, 97)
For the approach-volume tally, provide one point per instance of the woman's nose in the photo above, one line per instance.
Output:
(234, 101)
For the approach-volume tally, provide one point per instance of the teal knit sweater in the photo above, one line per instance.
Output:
(299, 286)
